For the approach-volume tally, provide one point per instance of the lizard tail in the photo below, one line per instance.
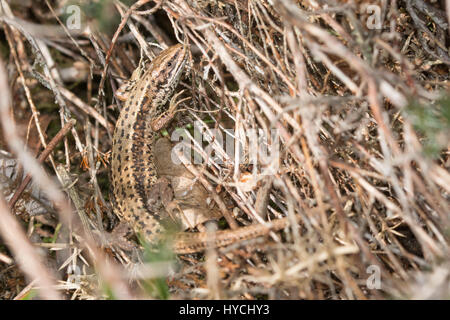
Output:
(186, 242)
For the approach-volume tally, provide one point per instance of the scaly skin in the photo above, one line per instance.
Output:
(133, 170)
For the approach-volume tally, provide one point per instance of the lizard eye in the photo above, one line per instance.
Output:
(169, 64)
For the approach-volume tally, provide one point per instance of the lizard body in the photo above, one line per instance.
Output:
(133, 172)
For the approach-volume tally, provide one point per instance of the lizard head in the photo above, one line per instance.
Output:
(164, 75)
(168, 66)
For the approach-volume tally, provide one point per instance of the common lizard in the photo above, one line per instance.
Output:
(133, 174)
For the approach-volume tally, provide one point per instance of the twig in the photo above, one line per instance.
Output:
(25, 254)
(50, 146)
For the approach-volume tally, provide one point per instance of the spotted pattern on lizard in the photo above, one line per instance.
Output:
(133, 171)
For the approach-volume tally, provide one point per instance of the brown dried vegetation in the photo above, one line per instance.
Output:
(357, 91)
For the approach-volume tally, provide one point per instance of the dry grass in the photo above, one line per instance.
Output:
(362, 114)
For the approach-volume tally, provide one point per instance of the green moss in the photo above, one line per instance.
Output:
(162, 252)
(102, 13)
(30, 295)
(107, 292)
(433, 122)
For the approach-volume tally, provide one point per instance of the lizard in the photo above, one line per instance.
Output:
(134, 178)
